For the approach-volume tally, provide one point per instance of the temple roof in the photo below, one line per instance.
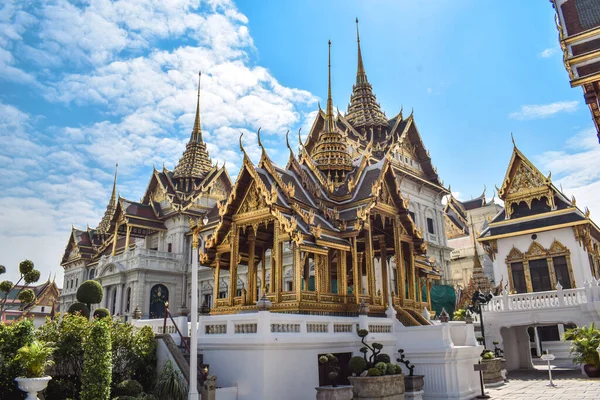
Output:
(110, 208)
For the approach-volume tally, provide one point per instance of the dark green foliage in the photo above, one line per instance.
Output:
(129, 388)
(90, 292)
(585, 341)
(332, 366)
(5, 286)
(406, 362)
(12, 338)
(2, 269)
(393, 369)
(34, 358)
(374, 372)
(27, 296)
(134, 353)
(357, 365)
(80, 308)
(31, 276)
(59, 389)
(487, 355)
(125, 398)
(101, 313)
(170, 384)
(97, 363)
(382, 358)
(25, 267)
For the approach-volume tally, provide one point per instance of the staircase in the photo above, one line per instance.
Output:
(184, 347)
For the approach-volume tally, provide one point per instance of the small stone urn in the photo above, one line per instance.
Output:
(413, 386)
(334, 393)
(32, 386)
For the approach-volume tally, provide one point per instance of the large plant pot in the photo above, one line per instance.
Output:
(334, 393)
(591, 370)
(389, 387)
(413, 386)
(32, 386)
(492, 376)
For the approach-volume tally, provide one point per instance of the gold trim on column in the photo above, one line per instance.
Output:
(342, 278)
(217, 279)
(355, 274)
(527, 273)
(297, 265)
(551, 272)
(233, 262)
(411, 282)
(369, 260)
(251, 292)
(384, 269)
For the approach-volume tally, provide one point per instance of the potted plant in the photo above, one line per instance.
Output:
(413, 384)
(492, 375)
(373, 375)
(332, 371)
(584, 342)
(34, 358)
(459, 315)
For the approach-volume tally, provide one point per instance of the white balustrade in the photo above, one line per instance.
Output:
(543, 300)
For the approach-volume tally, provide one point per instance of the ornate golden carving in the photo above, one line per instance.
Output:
(316, 231)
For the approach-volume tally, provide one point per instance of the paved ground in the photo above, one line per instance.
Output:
(533, 385)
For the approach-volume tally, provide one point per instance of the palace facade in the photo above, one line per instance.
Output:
(319, 235)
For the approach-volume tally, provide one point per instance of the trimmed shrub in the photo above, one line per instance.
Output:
(27, 296)
(12, 338)
(59, 389)
(101, 313)
(357, 365)
(25, 267)
(97, 364)
(80, 308)
(90, 292)
(381, 366)
(129, 388)
(374, 372)
(382, 358)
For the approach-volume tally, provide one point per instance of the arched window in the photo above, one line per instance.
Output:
(92, 273)
(159, 295)
(114, 301)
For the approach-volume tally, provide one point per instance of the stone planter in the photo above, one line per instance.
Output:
(334, 393)
(388, 387)
(32, 386)
(413, 386)
(492, 376)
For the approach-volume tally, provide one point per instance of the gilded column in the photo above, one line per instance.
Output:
(551, 272)
(411, 283)
(342, 278)
(384, 269)
(355, 275)
(360, 257)
(318, 277)
(527, 273)
(127, 235)
(233, 262)
(369, 260)
(398, 259)
(276, 270)
(251, 292)
(115, 238)
(297, 271)
(429, 294)
(263, 277)
(217, 279)
(326, 275)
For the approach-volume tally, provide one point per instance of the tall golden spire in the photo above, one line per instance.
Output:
(331, 152)
(361, 75)
(195, 161)
(110, 208)
(197, 130)
(478, 277)
(329, 120)
(364, 111)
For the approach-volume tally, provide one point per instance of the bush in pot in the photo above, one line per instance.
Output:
(34, 358)
(373, 377)
(412, 383)
(584, 343)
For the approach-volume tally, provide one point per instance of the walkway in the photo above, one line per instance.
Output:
(533, 385)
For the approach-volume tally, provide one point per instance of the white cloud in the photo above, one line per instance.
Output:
(575, 169)
(537, 111)
(132, 65)
(549, 52)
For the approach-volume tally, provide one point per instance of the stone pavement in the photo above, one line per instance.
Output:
(533, 385)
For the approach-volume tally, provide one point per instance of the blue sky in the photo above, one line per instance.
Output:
(87, 84)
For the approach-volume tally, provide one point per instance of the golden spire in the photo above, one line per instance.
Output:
(195, 161)
(197, 130)
(361, 75)
(104, 224)
(329, 120)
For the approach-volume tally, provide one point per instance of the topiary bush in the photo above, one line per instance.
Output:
(357, 365)
(97, 364)
(374, 372)
(80, 308)
(129, 388)
(101, 313)
(90, 292)
(383, 358)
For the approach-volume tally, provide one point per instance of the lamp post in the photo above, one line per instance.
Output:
(193, 390)
(477, 301)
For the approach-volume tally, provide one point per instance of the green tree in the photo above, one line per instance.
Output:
(97, 363)
(90, 292)
(12, 338)
(29, 275)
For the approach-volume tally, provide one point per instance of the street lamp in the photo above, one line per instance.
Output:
(193, 390)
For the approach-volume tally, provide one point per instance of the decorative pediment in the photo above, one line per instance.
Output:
(252, 201)
(558, 247)
(515, 255)
(536, 250)
(452, 230)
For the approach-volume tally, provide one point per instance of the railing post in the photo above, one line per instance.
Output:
(588, 291)
(166, 314)
(595, 291)
(560, 295)
(505, 300)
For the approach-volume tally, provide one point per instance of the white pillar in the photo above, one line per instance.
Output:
(193, 391)
(538, 349)
(118, 299)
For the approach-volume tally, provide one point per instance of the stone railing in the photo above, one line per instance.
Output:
(544, 300)
(145, 258)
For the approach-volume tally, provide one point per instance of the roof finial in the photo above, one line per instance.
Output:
(241, 145)
(361, 75)
(197, 131)
(299, 137)
(513, 140)
(329, 121)
(114, 190)
(258, 136)
(287, 142)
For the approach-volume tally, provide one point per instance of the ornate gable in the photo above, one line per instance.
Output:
(515, 255)
(524, 183)
(536, 250)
